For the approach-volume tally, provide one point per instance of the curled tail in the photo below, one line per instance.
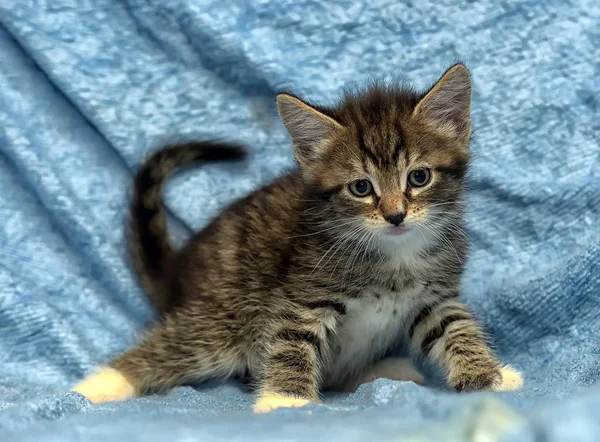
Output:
(150, 243)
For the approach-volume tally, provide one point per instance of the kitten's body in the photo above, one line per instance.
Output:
(302, 285)
(293, 267)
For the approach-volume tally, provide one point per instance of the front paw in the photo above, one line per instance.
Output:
(271, 401)
(511, 379)
(492, 379)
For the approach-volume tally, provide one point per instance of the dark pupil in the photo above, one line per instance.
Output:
(419, 176)
(362, 186)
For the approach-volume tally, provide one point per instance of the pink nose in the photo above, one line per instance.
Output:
(393, 207)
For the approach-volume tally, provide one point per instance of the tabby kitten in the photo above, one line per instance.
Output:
(309, 281)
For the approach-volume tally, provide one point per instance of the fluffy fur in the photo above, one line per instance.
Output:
(303, 285)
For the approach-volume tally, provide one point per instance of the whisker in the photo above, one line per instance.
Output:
(336, 226)
(440, 235)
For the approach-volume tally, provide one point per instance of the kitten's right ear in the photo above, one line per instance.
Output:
(307, 127)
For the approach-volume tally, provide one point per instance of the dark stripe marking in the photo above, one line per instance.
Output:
(327, 194)
(427, 309)
(151, 244)
(396, 154)
(299, 389)
(145, 179)
(440, 329)
(365, 149)
(339, 307)
(293, 361)
(289, 334)
(456, 170)
(291, 317)
(283, 269)
(421, 316)
(457, 337)
(460, 351)
(371, 155)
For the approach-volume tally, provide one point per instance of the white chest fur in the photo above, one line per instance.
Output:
(372, 326)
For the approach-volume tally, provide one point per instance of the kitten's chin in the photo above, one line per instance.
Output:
(401, 236)
(397, 230)
(406, 246)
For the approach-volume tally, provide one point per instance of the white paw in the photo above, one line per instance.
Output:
(108, 385)
(511, 380)
(271, 401)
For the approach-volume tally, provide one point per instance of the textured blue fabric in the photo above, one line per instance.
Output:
(89, 87)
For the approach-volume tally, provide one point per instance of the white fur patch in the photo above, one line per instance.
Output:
(107, 385)
(395, 369)
(272, 401)
(511, 379)
(372, 326)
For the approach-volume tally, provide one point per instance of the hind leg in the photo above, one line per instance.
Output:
(166, 357)
(107, 385)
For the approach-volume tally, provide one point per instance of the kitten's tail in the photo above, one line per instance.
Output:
(150, 245)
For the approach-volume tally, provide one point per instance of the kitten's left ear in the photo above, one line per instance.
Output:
(307, 127)
(447, 105)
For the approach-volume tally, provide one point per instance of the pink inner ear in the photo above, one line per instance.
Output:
(449, 101)
(307, 126)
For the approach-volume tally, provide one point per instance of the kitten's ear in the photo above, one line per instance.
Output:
(307, 127)
(447, 105)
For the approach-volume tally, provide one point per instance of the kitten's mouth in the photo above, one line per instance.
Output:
(398, 230)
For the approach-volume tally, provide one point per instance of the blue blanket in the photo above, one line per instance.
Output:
(88, 88)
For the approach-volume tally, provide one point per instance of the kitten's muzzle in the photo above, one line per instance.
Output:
(395, 219)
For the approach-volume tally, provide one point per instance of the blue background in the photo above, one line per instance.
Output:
(89, 87)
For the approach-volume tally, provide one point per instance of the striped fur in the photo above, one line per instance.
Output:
(302, 285)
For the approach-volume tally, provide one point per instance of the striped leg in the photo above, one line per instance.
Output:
(446, 333)
(292, 371)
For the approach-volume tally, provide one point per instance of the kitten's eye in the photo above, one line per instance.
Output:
(419, 177)
(361, 188)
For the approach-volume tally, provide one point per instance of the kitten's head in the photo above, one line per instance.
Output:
(388, 161)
